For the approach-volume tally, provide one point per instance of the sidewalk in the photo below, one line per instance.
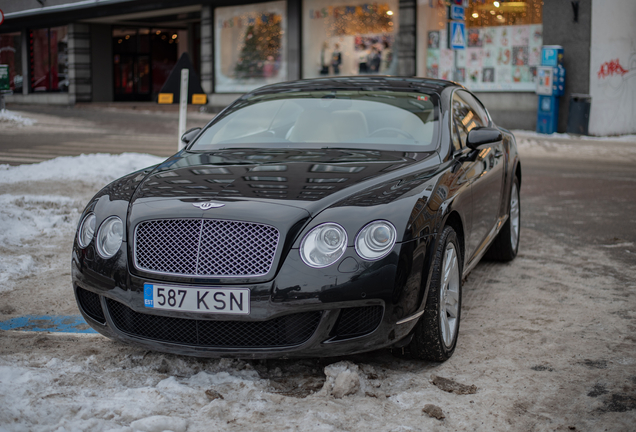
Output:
(618, 149)
(142, 107)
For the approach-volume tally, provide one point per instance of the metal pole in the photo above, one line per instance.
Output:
(455, 75)
(183, 106)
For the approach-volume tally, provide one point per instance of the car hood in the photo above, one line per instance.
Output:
(309, 179)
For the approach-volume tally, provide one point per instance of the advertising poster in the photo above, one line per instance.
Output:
(497, 58)
(351, 37)
(432, 63)
(250, 46)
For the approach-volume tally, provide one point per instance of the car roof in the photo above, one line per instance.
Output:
(364, 82)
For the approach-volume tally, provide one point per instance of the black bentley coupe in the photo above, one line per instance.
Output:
(310, 218)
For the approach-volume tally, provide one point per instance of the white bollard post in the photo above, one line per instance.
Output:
(183, 106)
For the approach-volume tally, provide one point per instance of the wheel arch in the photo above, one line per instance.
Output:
(454, 220)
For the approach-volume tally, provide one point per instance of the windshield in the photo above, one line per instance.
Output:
(383, 120)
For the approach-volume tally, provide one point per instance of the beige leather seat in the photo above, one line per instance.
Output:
(313, 125)
(350, 125)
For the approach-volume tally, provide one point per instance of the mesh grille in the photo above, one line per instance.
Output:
(91, 305)
(358, 321)
(205, 247)
(289, 330)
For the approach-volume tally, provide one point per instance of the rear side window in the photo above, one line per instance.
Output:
(467, 115)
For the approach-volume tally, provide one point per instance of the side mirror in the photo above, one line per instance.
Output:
(190, 134)
(483, 135)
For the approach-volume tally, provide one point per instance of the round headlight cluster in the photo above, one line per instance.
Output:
(375, 240)
(324, 245)
(109, 237)
(86, 230)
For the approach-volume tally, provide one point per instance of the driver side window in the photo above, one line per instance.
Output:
(465, 118)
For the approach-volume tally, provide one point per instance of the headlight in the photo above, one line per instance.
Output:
(324, 245)
(375, 240)
(86, 230)
(109, 237)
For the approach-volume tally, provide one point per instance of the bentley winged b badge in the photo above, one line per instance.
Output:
(207, 205)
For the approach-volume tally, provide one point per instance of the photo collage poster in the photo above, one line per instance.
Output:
(495, 58)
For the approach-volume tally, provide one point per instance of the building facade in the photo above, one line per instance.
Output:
(68, 51)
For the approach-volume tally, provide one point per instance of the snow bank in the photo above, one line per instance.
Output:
(12, 267)
(34, 220)
(13, 119)
(35, 217)
(566, 136)
(97, 168)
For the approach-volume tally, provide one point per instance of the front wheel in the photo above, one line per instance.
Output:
(506, 244)
(436, 332)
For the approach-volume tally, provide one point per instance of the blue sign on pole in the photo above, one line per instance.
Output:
(552, 55)
(457, 35)
(457, 13)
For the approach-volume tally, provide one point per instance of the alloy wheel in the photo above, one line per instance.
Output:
(514, 217)
(449, 295)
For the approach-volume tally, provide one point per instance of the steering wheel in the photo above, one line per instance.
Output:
(392, 129)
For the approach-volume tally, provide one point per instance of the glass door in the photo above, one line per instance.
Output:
(131, 64)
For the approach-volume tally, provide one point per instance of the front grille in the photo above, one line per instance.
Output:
(289, 330)
(205, 247)
(357, 321)
(91, 305)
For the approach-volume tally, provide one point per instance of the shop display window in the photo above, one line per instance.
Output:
(250, 46)
(48, 52)
(349, 37)
(503, 44)
(11, 55)
(142, 60)
(164, 46)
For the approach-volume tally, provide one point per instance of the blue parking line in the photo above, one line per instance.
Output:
(48, 323)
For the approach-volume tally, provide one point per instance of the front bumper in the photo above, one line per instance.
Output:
(345, 309)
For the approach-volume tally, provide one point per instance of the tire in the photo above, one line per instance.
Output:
(506, 244)
(435, 334)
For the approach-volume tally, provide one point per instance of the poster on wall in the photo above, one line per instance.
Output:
(349, 37)
(250, 46)
(497, 58)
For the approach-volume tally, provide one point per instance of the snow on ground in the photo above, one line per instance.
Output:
(97, 168)
(566, 136)
(556, 357)
(29, 219)
(620, 149)
(10, 118)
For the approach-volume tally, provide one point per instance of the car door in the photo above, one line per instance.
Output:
(485, 172)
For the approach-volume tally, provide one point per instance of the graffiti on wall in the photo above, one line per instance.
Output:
(617, 81)
(609, 68)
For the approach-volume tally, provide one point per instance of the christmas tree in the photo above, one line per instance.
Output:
(261, 46)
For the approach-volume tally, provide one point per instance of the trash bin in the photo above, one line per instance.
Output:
(579, 114)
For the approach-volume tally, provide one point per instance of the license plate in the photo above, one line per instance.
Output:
(191, 299)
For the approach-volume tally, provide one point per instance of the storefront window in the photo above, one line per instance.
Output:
(11, 54)
(143, 59)
(503, 44)
(165, 50)
(349, 37)
(49, 59)
(250, 46)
